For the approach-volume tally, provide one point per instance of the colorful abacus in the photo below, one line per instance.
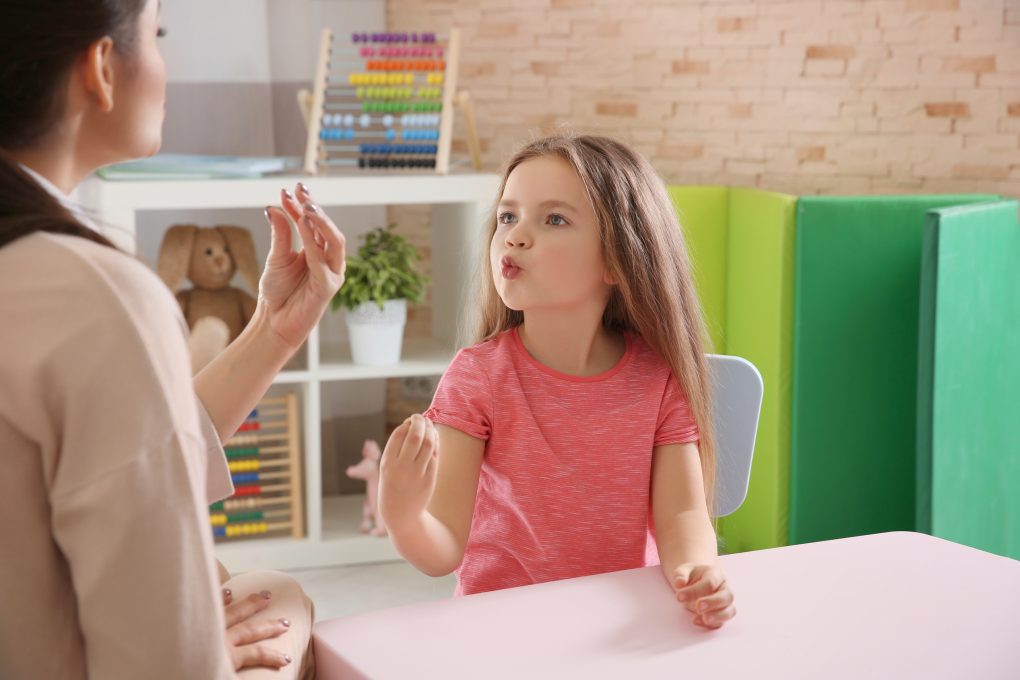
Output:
(265, 465)
(385, 101)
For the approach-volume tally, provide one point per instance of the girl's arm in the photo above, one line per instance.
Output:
(427, 486)
(684, 534)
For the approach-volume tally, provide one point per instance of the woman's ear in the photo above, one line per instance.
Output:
(175, 254)
(242, 249)
(97, 73)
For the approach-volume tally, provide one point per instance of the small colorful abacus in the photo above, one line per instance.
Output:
(385, 101)
(265, 465)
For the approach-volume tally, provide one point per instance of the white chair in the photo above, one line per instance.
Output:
(737, 393)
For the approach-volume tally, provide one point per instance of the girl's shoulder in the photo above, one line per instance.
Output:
(644, 357)
(488, 352)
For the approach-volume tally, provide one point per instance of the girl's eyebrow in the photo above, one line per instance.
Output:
(509, 203)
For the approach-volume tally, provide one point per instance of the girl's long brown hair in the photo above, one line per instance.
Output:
(646, 255)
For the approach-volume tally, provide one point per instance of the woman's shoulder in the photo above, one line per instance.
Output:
(89, 278)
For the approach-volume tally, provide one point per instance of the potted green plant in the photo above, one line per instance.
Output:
(380, 281)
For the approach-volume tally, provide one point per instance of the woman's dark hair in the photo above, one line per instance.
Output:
(39, 41)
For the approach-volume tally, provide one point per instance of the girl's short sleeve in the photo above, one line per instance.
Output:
(463, 398)
(676, 424)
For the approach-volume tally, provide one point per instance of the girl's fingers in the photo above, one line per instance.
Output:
(704, 580)
(719, 600)
(428, 448)
(237, 612)
(391, 453)
(414, 439)
(717, 618)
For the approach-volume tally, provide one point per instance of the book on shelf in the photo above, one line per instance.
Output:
(198, 166)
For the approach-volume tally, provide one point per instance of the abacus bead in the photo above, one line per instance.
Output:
(365, 120)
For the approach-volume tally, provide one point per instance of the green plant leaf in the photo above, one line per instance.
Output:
(384, 269)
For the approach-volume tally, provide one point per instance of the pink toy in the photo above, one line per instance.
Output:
(368, 470)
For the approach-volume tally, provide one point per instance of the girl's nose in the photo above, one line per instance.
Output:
(516, 238)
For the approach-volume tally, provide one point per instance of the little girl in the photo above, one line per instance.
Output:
(575, 438)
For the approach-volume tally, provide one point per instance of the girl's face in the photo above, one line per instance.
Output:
(133, 129)
(546, 253)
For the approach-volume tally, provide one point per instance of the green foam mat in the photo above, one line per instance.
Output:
(968, 433)
(759, 310)
(855, 357)
(703, 213)
(741, 245)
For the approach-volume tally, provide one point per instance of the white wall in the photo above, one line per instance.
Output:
(255, 41)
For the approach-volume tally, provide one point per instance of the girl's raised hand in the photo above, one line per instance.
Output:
(407, 472)
(702, 589)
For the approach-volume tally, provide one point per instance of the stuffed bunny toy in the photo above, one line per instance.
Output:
(209, 256)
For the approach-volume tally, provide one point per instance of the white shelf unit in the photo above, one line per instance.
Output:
(459, 203)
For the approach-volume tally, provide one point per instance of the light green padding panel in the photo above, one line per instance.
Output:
(968, 456)
(703, 213)
(759, 310)
(855, 355)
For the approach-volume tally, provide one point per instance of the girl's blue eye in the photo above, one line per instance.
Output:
(557, 220)
(505, 218)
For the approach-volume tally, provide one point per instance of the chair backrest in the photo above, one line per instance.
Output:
(737, 393)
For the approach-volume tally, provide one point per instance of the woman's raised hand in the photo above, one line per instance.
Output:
(296, 286)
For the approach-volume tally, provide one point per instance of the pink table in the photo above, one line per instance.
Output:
(895, 605)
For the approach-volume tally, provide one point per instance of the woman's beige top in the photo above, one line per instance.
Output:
(106, 558)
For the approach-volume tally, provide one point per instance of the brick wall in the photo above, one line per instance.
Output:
(804, 96)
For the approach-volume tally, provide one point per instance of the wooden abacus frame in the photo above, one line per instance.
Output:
(313, 105)
(274, 448)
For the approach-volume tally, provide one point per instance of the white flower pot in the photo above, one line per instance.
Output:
(377, 334)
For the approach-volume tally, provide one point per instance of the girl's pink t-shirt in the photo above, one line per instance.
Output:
(565, 483)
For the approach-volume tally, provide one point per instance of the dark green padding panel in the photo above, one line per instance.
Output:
(855, 355)
(968, 455)
(703, 213)
(759, 311)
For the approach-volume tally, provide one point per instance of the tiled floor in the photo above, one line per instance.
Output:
(343, 591)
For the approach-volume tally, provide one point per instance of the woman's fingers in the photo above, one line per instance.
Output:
(248, 632)
(335, 243)
(259, 656)
(280, 240)
(237, 612)
(313, 252)
(291, 205)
